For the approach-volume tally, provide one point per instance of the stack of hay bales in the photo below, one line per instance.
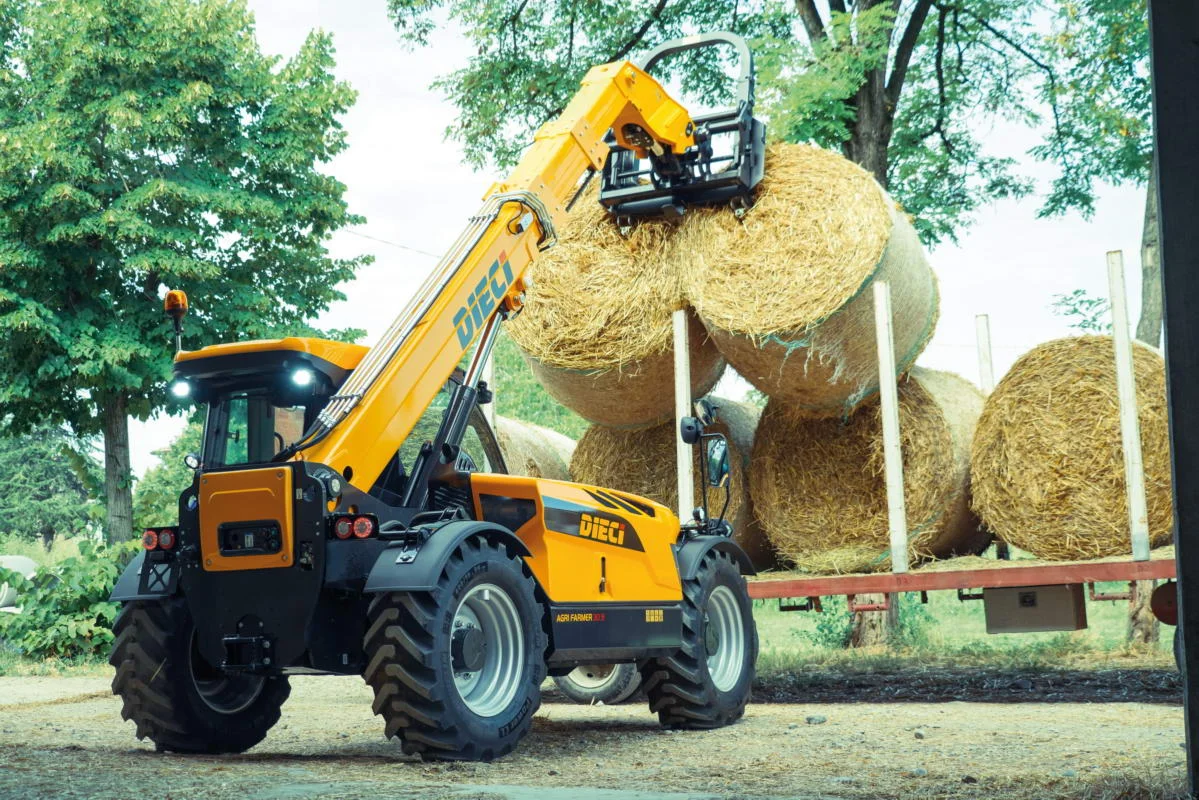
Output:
(784, 295)
(643, 463)
(1047, 460)
(596, 329)
(534, 451)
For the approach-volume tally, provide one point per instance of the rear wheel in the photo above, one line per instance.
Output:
(457, 672)
(175, 697)
(707, 682)
(600, 683)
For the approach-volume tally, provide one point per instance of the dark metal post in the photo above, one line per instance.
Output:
(1174, 36)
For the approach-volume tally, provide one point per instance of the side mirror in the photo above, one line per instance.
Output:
(191, 461)
(718, 462)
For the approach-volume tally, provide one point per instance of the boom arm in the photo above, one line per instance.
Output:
(483, 275)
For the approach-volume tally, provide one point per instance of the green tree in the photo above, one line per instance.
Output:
(156, 495)
(147, 144)
(47, 473)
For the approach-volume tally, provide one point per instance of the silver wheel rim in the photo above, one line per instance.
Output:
(223, 693)
(724, 623)
(593, 676)
(488, 690)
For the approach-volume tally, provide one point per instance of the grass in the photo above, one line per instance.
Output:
(63, 547)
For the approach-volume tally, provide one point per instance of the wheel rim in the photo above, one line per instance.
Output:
(593, 676)
(220, 691)
(725, 631)
(490, 687)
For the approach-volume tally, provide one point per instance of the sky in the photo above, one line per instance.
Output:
(416, 195)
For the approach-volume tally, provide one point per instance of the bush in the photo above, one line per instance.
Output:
(65, 612)
(835, 625)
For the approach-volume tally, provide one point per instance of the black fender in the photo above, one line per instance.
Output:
(162, 582)
(422, 572)
(692, 552)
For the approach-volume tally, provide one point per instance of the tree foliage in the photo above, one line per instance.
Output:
(46, 487)
(902, 88)
(147, 144)
(1104, 130)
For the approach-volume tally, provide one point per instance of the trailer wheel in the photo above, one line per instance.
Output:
(175, 697)
(457, 671)
(707, 682)
(600, 683)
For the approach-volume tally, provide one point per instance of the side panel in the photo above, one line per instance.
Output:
(608, 632)
(241, 497)
(586, 544)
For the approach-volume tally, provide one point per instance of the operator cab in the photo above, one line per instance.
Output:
(261, 395)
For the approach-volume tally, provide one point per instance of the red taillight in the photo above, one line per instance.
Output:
(343, 528)
(166, 539)
(363, 527)
(150, 540)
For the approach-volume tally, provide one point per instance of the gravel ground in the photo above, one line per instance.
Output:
(63, 737)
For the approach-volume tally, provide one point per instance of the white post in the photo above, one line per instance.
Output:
(682, 408)
(1130, 429)
(986, 373)
(489, 378)
(888, 390)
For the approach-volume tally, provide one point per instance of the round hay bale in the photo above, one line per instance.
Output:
(643, 463)
(1048, 463)
(534, 451)
(596, 329)
(786, 291)
(819, 486)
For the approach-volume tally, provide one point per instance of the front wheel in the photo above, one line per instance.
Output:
(175, 697)
(707, 682)
(457, 671)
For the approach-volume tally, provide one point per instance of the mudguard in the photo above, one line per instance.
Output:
(689, 556)
(397, 569)
(162, 580)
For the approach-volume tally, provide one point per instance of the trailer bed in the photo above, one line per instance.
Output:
(970, 572)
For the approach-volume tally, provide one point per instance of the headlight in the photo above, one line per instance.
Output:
(181, 389)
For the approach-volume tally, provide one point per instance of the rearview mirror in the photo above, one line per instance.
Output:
(718, 462)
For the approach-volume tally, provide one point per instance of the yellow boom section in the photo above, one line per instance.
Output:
(383, 398)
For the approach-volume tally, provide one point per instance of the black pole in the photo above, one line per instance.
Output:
(1174, 39)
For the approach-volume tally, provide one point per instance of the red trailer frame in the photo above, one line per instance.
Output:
(1005, 574)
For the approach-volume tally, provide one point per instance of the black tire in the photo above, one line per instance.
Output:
(176, 698)
(607, 683)
(681, 688)
(411, 659)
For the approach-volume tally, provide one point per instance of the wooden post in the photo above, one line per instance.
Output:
(1130, 429)
(897, 518)
(986, 374)
(682, 408)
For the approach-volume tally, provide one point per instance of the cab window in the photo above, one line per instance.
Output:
(249, 428)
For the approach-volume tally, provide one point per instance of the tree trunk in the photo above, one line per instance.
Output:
(873, 628)
(871, 133)
(118, 481)
(1149, 328)
(1143, 627)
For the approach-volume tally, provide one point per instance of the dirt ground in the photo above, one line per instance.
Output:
(63, 737)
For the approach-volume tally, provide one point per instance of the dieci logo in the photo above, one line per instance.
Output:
(603, 530)
(482, 301)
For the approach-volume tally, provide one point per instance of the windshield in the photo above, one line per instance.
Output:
(250, 427)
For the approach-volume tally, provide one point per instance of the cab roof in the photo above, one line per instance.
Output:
(343, 355)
